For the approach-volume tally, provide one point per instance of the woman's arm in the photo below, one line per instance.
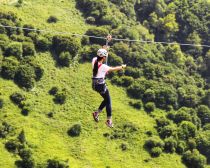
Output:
(117, 68)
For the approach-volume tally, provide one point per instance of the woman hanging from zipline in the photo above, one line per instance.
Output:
(98, 82)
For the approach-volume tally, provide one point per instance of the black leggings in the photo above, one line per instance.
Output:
(106, 102)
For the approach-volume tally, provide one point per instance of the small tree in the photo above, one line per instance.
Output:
(17, 98)
(60, 98)
(149, 107)
(65, 59)
(52, 19)
(28, 49)
(9, 67)
(15, 49)
(170, 144)
(75, 130)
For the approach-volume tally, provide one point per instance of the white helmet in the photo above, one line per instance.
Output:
(102, 53)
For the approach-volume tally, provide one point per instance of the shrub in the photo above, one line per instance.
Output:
(53, 90)
(1, 103)
(98, 31)
(28, 49)
(149, 95)
(162, 122)
(154, 142)
(25, 163)
(85, 40)
(156, 151)
(53, 163)
(60, 98)
(170, 144)
(5, 129)
(194, 159)
(26, 27)
(167, 131)
(114, 60)
(187, 130)
(14, 49)
(21, 137)
(88, 52)
(17, 98)
(90, 20)
(64, 59)
(43, 43)
(126, 81)
(123, 146)
(191, 144)
(52, 19)
(136, 104)
(64, 43)
(204, 114)
(181, 147)
(39, 72)
(25, 153)
(25, 76)
(75, 130)
(149, 107)
(182, 115)
(12, 146)
(25, 110)
(9, 67)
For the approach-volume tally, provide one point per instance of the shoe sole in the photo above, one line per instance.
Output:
(96, 120)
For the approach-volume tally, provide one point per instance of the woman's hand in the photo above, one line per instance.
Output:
(124, 66)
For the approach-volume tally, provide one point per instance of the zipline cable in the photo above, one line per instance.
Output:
(98, 37)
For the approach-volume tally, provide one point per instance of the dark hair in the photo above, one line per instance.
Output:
(95, 68)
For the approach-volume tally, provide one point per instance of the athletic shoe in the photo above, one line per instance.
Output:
(109, 123)
(96, 116)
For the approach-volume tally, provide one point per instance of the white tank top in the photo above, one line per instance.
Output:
(102, 69)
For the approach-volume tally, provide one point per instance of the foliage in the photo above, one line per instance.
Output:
(9, 67)
(17, 98)
(75, 130)
(194, 159)
(52, 19)
(54, 163)
(64, 59)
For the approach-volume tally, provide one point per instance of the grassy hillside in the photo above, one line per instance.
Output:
(48, 137)
(97, 146)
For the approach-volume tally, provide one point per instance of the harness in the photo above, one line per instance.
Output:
(98, 84)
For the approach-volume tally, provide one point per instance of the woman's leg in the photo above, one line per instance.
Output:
(106, 102)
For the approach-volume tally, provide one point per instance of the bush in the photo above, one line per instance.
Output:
(187, 130)
(14, 49)
(9, 67)
(12, 146)
(75, 130)
(43, 43)
(162, 122)
(90, 20)
(170, 144)
(126, 81)
(1, 103)
(53, 163)
(204, 114)
(149, 95)
(25, 163)
(66, 44)
(191, 144)
(181, 147)
(25, 110)
(114, 60)
(28, 49)
(149, 107)
(27, 26)
(154, 142)
(123, 146)
(25, 76)
(194, 159)
(53, 90)
(17, 98)
(167, 131)
(136, 104)
(60, 98)
(88, 52)
(97, 31)
(156, 151)
(5, 129)
(64, 59)
(52, 19)
(39, 72)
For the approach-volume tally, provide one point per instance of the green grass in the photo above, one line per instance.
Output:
(48, 137)
(37, 12)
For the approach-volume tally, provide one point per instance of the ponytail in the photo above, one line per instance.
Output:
(95, 68)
